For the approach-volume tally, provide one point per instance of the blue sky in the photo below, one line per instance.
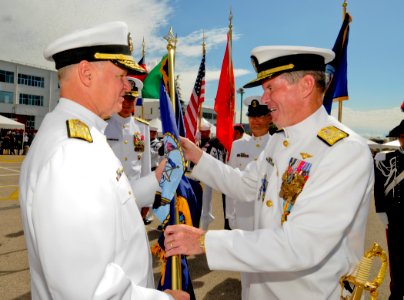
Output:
(375, 60)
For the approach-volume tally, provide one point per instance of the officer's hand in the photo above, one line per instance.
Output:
(178, 295)
(192, 151)
(160, 168)
(183, 239)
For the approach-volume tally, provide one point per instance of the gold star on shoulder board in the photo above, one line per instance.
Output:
(305, 155)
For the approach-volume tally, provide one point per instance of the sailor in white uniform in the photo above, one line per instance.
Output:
(84, 234)
(129, 138)
(311, 187)
(245, 150)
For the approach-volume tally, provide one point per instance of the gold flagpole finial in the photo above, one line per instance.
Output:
(143, 48)
(230, 23)
(171, 45)
(344, 5)
(170, 38)
(203, 43)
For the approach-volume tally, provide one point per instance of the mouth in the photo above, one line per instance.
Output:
(272, 109)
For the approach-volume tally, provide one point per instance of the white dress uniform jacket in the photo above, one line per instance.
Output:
(120, 134)
(84, 234)
(241, 214)
(323, 237)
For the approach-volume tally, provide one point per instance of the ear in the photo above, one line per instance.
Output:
(85, 71)
(307, 85)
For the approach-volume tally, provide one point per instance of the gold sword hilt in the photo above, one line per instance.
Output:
(360, 276)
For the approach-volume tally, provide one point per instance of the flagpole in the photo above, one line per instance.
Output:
(200, 106)
(176, 274)
(231, 53)
(143, 53)
(344, 5)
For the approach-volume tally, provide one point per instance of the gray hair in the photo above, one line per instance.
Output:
(319, 77)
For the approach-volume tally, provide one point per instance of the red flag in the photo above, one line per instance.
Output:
(224, 102)
(142, 63)
(197, 97)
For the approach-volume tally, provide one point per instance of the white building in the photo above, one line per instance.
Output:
(27, 93)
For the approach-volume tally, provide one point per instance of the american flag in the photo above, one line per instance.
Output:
(197, 97)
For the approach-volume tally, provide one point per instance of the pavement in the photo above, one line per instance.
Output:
(220, 285)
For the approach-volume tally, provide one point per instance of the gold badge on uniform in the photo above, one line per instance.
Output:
(305, 155)
(293, 181)
(119, 173)
(138, 142)
(331, 134)
(263, 188)
(78, 130)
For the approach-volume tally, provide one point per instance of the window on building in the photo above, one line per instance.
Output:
(31, 99)
(30, 123)
(6, 97)
(31, 80)
(6, 76)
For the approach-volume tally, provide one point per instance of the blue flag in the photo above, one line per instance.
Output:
(337, 88)
(177, 190)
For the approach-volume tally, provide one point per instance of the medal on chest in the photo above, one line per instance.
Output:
(293, 181)
(263, 188)
(138, 142)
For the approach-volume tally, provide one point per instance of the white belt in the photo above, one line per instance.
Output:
(393, 183)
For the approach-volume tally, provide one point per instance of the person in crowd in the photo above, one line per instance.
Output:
(129, 138)
(213, 147)
(83, 230)
(241, 214)
(311, 188)
(155, 145)
(238, 131)
(389, 202)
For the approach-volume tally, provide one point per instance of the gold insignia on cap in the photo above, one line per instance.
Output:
(130, 43)
(331, 135)
(268, 73)
(305, 155)
(78, 130)
(254, 103)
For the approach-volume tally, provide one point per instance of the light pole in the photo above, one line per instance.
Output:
(241, 92)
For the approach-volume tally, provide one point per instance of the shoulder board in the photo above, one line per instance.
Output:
(331, 134)
(141, 120)
(78, 130)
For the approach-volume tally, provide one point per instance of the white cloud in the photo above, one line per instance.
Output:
(27, 27)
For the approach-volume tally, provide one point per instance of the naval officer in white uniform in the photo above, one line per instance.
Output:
(129, 138)
(245, 150)
(83, 230)
(311, 187)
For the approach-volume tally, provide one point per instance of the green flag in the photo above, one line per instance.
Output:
(151, 84)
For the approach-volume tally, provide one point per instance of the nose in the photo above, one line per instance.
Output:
(126, 84)
(265, 98)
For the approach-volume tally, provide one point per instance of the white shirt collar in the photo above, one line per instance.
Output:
(83, 114)
(310, 125)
